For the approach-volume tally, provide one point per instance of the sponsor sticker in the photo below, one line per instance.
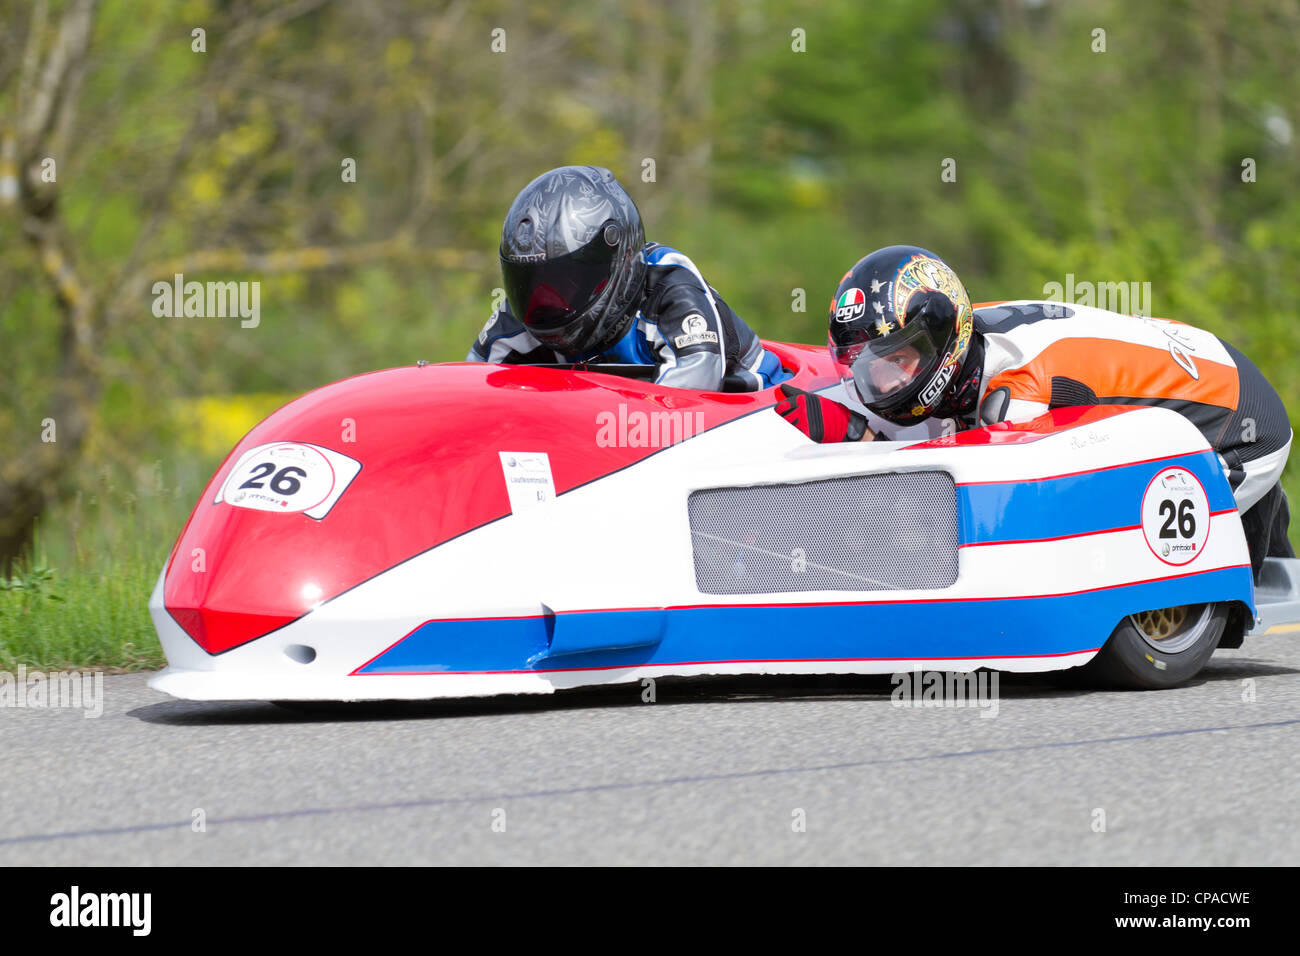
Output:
(288, 477)
(528, 478)
(1175, 516)
(696, 332)
(851, 305)
(700, 338)
(939, 382)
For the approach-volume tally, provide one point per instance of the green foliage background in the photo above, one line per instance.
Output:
(775, 170)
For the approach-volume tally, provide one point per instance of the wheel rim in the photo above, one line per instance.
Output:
(1171, 630)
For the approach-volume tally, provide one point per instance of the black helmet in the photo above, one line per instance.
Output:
(571, 259)
(901, 327)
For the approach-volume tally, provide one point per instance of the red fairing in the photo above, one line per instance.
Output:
(428, 442)
(1017, 433)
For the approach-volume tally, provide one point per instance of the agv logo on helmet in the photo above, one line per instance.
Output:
(851, 305)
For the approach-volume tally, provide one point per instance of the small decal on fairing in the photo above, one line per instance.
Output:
(528, 478)
(288, 477)
(1175, 516)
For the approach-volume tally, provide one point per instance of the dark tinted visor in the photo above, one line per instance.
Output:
(549, 293)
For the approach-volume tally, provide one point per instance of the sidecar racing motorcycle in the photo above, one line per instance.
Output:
(460, 530)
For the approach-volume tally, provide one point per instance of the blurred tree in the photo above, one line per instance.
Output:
(786, 138)
(200, 151)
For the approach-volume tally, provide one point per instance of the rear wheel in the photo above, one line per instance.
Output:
(1154, 650)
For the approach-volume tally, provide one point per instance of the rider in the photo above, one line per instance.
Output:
(583, 285)
(912, 349)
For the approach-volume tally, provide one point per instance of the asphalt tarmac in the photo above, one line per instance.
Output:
(714, 771)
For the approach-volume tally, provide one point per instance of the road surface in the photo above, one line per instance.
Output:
(736, 771)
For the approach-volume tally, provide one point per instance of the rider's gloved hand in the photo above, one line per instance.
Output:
(821, 419)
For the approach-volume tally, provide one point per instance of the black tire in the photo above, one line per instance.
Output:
(1156, 650)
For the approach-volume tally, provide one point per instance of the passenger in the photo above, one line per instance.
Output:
(583, 285)
(911, 349)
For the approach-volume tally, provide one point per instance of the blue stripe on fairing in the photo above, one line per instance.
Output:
(995, 627)
(1075, 504)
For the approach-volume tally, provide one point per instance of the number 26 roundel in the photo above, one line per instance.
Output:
(1176, 516)
(288, 477)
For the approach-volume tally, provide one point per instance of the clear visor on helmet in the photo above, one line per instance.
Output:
(886, 369)
(547, 294)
